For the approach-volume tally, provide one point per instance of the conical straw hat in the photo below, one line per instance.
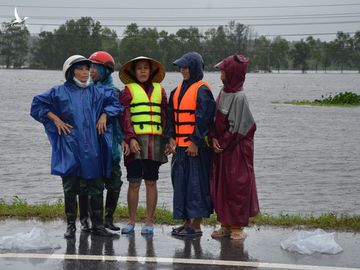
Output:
(126, 73)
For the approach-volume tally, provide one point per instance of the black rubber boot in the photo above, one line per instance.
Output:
(70, 212)
(84, 213)
(96, 215)
(110, 206)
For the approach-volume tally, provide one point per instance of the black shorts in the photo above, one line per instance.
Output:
(143, 169)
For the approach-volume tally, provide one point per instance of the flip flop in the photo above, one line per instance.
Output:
(189, 232)
(222, 232)
(241, 235)
(147, 230)
(176, 230)
(128, 229)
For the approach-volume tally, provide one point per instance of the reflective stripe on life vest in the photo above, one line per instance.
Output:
(184, 113)
(145, 111)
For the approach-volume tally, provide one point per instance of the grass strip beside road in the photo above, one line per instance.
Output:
(20, 209)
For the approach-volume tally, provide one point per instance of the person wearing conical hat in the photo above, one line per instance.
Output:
(143, 122)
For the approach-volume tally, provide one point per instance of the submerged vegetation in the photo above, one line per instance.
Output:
(340, 99)
(19, 208)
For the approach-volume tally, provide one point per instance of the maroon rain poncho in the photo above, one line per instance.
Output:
(232, 182)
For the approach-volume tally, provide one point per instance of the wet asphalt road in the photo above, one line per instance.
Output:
(260, 250)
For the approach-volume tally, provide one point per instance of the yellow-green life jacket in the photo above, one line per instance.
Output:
(145, 111)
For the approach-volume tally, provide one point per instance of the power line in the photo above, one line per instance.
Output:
(307, 34)
(282, 17)
(184, 8)
(203, 36)
(209, 25)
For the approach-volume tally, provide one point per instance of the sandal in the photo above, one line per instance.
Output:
(189, 232)
(222, 232)
(176, 230)
(129, 229)
(241, 235)
(147, 230)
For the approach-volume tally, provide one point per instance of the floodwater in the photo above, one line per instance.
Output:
(307, 159)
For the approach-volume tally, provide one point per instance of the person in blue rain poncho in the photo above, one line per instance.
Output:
(102, 67)
(190, 114)
(77, 120)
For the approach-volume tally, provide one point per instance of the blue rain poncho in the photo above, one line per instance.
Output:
(83, 152)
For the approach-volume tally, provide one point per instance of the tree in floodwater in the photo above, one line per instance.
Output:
(189, 40)
(14, 45)
(169, 47)
(216, 46)
(237, 35)
(356, 51)
(83, 36)
(279, 53)
(138, 42)
(342, 47)
(300, 55)
(315, 51)
(261, 54)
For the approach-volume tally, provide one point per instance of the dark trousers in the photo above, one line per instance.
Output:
(114, 183)
(74, 185)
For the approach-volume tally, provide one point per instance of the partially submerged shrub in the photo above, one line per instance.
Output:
(340, 99)
(347, 98)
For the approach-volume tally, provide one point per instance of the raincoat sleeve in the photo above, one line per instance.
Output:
(112, 107)
(41, 105)
(125, 116)
(170, 123)
(204, 115)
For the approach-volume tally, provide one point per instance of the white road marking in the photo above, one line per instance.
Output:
(172, 261)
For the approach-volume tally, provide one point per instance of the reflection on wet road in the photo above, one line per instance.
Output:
(260, 250)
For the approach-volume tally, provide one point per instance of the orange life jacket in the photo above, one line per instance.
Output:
(184, 113)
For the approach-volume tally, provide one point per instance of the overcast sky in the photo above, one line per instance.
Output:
(289, 18)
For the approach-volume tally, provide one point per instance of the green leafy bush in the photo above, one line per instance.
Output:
(340, 99)
(348, 98)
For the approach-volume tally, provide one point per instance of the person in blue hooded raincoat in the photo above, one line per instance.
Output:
(76, 117)
(102, 67)
(190, 114)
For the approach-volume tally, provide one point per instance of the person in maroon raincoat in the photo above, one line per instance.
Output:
(232, 182)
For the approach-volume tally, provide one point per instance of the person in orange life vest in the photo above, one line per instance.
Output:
(232, 181)
(190, 114)
(143, 122)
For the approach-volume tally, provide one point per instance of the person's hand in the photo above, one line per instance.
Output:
(170, 147)
(192, 150)
(134, 146)
(101, 124)
(125, 148)
(216, 146)
(62, 127)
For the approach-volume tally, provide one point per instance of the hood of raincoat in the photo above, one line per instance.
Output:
(235, 68)
(194, 62)
(104, 74)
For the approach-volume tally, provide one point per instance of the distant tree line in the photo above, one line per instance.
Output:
(48, 50)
